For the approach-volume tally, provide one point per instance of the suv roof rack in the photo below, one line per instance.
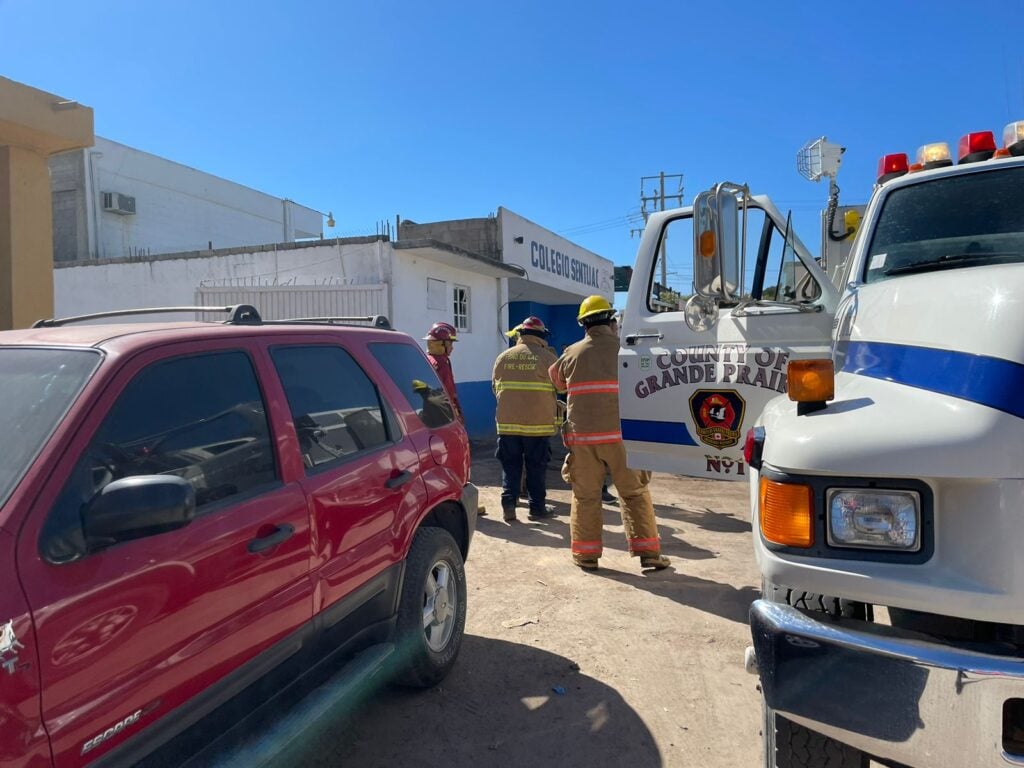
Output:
(240, 314)
(376, 321)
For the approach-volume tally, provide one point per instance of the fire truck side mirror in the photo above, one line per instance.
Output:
(716, 233)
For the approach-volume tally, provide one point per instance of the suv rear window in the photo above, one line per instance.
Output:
(417, 381)
(38, 387)
(335, 407)
(966, 220)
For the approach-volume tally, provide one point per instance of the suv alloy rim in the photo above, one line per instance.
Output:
(440, 603)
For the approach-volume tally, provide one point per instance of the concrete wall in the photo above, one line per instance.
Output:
(479, 236)
(172, 279)
(177, 208)
(70, 223)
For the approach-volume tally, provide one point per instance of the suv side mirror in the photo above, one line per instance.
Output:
(133, 507)
(719, 241)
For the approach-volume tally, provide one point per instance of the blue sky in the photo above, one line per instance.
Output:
(554, 110)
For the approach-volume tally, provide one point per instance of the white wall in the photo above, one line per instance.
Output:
(172, 281)
(476, 348)
(182, 209)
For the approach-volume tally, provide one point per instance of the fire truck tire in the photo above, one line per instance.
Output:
(812, 601)
(787, 744)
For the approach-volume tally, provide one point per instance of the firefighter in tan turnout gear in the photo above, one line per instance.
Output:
(526, 416)
(587, 370)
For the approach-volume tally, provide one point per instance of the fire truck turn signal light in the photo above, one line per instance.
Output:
(786, 513)
(811, 381)
(707, 243)
(977, 146)
(891, 166)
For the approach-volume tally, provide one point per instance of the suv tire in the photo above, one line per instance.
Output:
(786, 744)
(432, 611)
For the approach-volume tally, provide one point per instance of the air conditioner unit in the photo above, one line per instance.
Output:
(115, 202)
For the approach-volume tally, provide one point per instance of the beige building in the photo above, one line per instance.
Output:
(34, 125)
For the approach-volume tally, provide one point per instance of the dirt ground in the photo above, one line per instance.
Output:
(565, 668)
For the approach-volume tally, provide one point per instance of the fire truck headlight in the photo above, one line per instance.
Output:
(874, 519)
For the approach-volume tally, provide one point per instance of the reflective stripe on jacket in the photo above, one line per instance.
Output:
(588, 371)
(525, 394)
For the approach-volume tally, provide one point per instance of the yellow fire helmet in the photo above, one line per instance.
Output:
(593, 305)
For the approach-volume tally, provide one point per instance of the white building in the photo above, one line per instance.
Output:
(134, 230)
(112, 201)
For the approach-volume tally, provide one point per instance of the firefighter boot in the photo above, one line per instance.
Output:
(654, 560)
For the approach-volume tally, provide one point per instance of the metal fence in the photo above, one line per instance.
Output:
(288, 301)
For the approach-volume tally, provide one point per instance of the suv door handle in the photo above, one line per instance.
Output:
(399, 480)
(281, 533)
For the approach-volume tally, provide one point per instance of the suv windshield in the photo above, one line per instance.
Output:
(959, 221)
(37, 387)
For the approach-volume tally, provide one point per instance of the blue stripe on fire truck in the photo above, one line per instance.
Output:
(990, 381)
(672, 432)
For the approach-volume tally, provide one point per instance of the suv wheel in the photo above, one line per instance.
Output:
(432, 612)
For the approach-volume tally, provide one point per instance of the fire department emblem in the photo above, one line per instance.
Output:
(717, 416)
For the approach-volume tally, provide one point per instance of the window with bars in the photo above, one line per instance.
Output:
(460, 307)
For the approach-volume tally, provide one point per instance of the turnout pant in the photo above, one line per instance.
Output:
(585, 468)
(515, 450)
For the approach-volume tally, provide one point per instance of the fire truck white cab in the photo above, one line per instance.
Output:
(887, 487)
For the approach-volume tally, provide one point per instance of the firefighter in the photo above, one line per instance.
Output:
(440, 342)
(587, 370)
(527, 416)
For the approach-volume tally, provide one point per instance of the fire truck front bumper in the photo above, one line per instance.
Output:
(897, 696)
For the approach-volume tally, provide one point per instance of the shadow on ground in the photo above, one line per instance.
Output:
(703, 594)
(496, 708)
(554, 532)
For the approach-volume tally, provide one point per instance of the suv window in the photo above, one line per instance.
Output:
(38, 387)
(201, 418)
(336, 408)
(417, 381)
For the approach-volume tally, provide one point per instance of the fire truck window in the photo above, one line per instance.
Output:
(672, 281)
(786, 279)
(967, 220)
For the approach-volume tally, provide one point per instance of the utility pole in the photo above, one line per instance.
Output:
(656, 199)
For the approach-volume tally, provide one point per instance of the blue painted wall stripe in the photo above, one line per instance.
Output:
(672, 432)
(990, 381)
(478, 406)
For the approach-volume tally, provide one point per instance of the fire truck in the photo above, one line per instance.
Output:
(874, 400)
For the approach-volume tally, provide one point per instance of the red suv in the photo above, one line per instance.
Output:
(186, 508)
